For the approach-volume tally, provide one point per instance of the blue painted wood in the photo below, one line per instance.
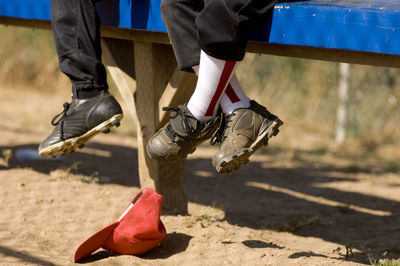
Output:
(29, 9)
(359, 25)
(374, 4)
(369, 26)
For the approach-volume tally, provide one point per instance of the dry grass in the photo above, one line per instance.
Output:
(302, 92)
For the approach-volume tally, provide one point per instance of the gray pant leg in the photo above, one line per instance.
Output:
(179, 17)
(223, 26)
(76, 31)
(218, 27)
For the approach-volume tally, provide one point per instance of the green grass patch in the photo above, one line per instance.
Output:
(386, 262)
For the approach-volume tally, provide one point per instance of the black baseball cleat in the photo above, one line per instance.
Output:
(80, 121)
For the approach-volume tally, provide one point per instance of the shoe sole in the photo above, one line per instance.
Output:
(70, 145)
(237, 159)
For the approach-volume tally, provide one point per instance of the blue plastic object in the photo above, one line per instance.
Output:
(31, 155)
(359, 25)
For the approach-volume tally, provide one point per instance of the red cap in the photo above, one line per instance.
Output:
(137, 230)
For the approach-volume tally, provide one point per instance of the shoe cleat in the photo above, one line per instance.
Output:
(80, 121)
(115, 122)
(105, 130)
(244, 132)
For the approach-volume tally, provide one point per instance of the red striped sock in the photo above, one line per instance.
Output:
(231, 94)
(222, 84)
(214, 76)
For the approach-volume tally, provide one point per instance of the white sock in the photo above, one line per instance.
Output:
(214, 76)
(234, 97)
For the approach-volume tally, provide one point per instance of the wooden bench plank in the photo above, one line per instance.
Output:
(362, 25)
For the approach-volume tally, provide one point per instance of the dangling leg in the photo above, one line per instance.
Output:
(195, 122)
(184, 132)
(76, 30)
(234, 96)
(214, 77)
(223, 29)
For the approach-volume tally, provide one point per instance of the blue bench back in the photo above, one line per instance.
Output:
(359, 25)
(135, 14)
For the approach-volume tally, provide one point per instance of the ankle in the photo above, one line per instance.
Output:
(197, 112)
(85, 93)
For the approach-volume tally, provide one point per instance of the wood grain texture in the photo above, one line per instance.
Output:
(119, 60)
(178, 91)
(155, 65)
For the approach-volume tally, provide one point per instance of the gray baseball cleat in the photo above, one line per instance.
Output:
(245, 131)
(81, 120)
(181, 135)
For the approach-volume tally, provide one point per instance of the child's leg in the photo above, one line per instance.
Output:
(223, 29)
(181, 135)
(223, 25)
(195, 122)
(76, 31)
(214, 76)
(179, 17)
(219, 29)
(234, 96)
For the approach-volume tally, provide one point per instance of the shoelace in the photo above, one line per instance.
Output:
(61, 115)
(219, 134)
(211, 122)
(186, 126)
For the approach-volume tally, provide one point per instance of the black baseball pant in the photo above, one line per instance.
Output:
(218, 27)
(76, 32)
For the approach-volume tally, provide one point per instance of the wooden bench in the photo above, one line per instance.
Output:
(139, 58)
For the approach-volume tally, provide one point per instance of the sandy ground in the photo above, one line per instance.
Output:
(288, 207)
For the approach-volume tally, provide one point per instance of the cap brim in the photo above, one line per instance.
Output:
(94, 242)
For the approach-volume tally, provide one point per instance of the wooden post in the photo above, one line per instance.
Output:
(344, 79)
(178, 91)
(147, 77)
(155, 64)
(119, 59)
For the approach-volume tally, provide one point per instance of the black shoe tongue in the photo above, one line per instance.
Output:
(183, 125)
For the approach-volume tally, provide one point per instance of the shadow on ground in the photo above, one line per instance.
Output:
(260, 197)
(112, 164)
(24, 257)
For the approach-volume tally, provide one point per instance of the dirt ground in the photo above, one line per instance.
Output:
(290, 205)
